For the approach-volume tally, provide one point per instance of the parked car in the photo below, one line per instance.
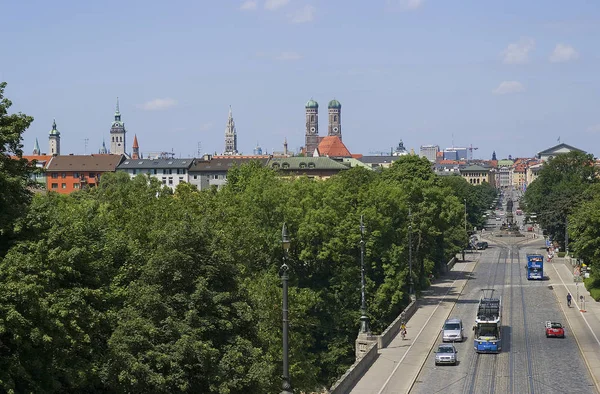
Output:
(481, 245)
(554, 329)
(453, 331)
(446, 354)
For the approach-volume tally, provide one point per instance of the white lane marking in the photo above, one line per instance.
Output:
(417, 337)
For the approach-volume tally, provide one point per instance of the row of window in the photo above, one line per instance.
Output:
(75, 175)
(165, 171)
(64, 186)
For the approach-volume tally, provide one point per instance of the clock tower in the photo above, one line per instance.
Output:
(117, 134)
(312, 127)
(230, 136)
(335, 119)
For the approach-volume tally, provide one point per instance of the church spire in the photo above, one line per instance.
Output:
(117, 112)
(135, 148)
(36, 147)
(230, 136)
(103, 150)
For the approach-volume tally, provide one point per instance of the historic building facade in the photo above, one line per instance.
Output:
(230, 136)
(334, 129)
(118, 133)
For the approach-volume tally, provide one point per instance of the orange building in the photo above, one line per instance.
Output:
(66, 174)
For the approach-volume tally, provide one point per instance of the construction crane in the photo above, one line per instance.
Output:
(471, 148)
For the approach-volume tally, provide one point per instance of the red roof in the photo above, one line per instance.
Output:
(332, 146)
(135, 143)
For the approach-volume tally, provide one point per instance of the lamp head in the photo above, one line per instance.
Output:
(285, 240)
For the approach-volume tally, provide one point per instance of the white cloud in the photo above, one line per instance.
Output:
(248, 5)
(405, 4)
(594, 128)
(158, 104)
(507, 87)
(289, 56)
(563, 53)
(304, 15)
(275, 4)
(518, 52)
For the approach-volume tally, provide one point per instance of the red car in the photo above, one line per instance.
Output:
(555, 330)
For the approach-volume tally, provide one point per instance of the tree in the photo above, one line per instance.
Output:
(559, 189)
(15, 171)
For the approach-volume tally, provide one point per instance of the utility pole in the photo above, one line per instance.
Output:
(411, 289)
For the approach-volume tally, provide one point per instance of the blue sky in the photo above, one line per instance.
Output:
(511, 76)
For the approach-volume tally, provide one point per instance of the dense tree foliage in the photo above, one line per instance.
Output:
(558, 191)
(14, 170)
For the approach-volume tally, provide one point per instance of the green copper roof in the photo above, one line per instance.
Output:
(311, 104)
(54, 131)
(334, 104)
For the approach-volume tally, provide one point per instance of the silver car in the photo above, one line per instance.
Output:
(446, 354)
(452, 331)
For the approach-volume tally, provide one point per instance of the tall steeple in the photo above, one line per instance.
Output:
(335, 119)
(312, 127)
(135, 148)
(103, 150)
(230, 136)
(36, 148)
(54, 140)
(117, 134)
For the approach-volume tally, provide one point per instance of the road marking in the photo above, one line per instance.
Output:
(417, 337)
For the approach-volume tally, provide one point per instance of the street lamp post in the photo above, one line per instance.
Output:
(411, 289)
(285, 244)
(465, 200)
(364, 319)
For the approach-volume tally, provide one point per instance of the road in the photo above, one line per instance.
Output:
(529, 362)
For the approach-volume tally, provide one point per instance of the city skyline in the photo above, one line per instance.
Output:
(511, 78)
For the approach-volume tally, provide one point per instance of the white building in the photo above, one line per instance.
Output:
(171, 172)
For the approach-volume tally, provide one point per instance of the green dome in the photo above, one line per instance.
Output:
(311, 104)
(334, 104)
(54, 131)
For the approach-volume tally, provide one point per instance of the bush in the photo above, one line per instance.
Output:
(561, 254)
(592, 284)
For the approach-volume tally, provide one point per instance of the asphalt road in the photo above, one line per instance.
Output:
(529, 362)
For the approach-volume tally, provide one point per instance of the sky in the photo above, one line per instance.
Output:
(512, 76)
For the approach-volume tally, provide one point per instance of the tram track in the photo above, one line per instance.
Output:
(478, 369)
(528, 355)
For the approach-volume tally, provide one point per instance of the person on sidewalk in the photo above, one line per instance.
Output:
(569, 297)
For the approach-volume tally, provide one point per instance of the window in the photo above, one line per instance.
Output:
(55, 175)
(215, 176)
(64, 185)
(92, 175)
(180, 179)
(164, 180)
(113, 140)
(311, 165)
(335, 118)
(312, 118)
(55, 185)
(155, 171)
(76, 175)
(170, 180)
(195, 176)
(302, 165)
(76, 186)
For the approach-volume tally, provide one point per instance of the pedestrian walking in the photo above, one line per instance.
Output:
(569, 298)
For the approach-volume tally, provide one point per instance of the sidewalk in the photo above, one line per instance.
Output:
(422, 329)
(584, 326)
